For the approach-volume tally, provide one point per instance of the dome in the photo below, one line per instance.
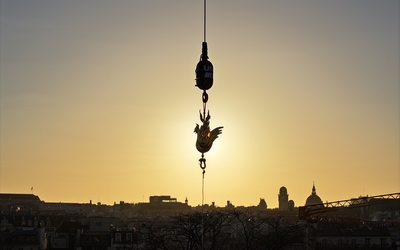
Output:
(313, 199)
(290, 205)
(283, 190)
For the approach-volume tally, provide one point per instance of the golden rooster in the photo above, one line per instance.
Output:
(205, 137)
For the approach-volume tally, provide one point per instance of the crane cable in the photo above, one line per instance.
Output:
(205, 12)
(202, 156)
(205, 136)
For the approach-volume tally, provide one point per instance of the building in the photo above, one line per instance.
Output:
(100, 224)
(124, 239)
(262, 205)
(162, 205)
(334, 235)
(313, 199)
(162, 199)
(24, 238)
(283, 199)
(19, 202)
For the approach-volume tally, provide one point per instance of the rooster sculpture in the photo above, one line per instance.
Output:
(205, 137)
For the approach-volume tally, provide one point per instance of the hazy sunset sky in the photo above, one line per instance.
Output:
(98, 99)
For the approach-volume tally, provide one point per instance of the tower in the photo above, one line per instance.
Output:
(283, 198)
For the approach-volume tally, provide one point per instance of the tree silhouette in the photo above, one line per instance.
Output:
(223, 229)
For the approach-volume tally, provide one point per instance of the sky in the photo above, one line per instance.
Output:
(98, 100)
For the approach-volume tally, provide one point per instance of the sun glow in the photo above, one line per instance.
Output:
(301, 98)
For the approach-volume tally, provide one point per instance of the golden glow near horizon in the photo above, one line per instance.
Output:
(98, 100)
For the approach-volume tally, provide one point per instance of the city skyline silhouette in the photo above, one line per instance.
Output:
(98, 100)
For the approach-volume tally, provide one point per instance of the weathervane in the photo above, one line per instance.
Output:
(204, 81)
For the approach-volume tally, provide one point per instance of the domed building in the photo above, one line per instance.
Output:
(314, 199)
